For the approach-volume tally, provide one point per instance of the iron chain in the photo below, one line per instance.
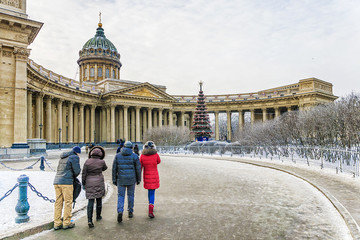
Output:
(39, 194)
(9, 192)
(14, 169)
(47, 163)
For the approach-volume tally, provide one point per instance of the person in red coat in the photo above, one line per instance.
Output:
(149, 160)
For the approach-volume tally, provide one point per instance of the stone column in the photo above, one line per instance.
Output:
(48, 119)
(38, 115)
(19, 131)
(264, 112)
(182, 118)
(87, 124)
(71, 122)
(81, 123)
(171, 119)
(137, 113)
(160, 117)
(103, 124)
(241, 120)
(228, 125)
(29, 115)
(191, 120)
(144, 122)
(149, 118)
(126, 127)
(76, 124)
(92, 128)
(88, 72)
(121, 123)
(63, 132)
(217, 136)
(112, 124)
(277, 112)
(155, 118)
(108, 126)
(252, 113)
(59, 119)
(96, 72)
(132, 127)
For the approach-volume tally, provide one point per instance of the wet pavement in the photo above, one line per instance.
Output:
(204, 198)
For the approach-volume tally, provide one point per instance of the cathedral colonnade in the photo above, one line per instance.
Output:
(62, 121)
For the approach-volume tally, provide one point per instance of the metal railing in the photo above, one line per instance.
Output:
(341, 160)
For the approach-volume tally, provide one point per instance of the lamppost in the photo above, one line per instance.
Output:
(40, 127)
(94, 136)
(59, 137)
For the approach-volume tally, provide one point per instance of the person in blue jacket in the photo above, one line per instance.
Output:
(68, 169)
(126, 171)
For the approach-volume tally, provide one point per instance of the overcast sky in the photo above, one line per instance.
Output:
(234, 46)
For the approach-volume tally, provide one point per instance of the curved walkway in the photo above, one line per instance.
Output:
(224, 200)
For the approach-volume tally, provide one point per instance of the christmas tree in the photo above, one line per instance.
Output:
(201, 125)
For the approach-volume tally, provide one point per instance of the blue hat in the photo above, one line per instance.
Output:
(77, 149)
(128, 144)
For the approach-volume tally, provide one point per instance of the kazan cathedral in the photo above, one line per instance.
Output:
(37, 103)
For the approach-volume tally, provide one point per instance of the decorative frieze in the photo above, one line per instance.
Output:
(21, 53)
(11, 3)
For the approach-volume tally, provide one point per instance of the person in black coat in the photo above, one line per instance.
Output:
(136, 149)
(126, 171)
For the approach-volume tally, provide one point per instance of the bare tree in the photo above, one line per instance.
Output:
(168, 136)
(332, 125)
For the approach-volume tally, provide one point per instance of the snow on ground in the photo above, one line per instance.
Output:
(40, 212)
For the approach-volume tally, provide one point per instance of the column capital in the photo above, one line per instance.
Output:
(137, 107)
(48, 97)
(59, 100)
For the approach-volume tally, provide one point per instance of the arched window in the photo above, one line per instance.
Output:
(99, 72)
(113, 74)
(107, 73)
(92, 73)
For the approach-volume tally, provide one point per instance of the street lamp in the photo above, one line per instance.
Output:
(40, 127)
(59, 137)
(94, 136)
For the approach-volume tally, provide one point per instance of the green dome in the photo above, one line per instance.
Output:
(99, 41)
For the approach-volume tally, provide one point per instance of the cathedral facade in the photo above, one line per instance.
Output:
(37, 103)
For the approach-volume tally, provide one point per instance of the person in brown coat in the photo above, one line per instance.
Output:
(93, 182)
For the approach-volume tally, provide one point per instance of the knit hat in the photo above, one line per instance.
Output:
(128, 144)
(77, 149)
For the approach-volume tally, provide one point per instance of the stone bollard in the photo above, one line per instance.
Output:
(22, 206)
(42, 165)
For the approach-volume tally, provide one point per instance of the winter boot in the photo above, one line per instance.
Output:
(119, 218)
(98, 213)
(90, 217)
(151, 211)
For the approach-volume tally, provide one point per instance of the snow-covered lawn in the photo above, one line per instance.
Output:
(40, 212)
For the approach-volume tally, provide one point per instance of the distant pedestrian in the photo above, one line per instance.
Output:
(93, 181)
(121, 145)
(126, 171)
(136, 149)
(149, 160)
(68, 169)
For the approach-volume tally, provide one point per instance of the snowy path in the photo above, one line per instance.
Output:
(209, 199)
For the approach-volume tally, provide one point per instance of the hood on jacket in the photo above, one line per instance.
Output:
(126, 151)
(67, 154)
(97, 151)
(149, 151)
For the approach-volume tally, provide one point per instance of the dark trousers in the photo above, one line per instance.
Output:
(90, 208)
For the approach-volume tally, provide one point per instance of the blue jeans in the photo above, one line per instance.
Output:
(121, 197)
(151, 196)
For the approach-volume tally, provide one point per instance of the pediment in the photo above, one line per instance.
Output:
(144, 90)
